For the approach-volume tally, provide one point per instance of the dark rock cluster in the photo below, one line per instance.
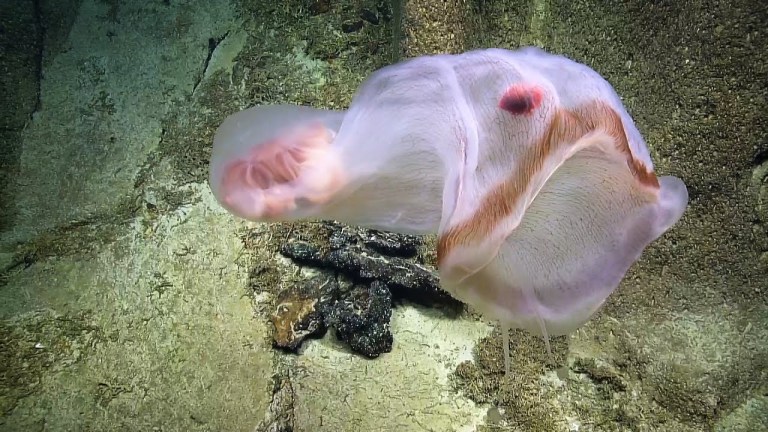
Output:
(360, 273)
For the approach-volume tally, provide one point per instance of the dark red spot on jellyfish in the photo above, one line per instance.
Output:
(521, 99)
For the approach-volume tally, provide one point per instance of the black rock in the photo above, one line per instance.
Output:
(359, 313)
(392, 244)
(361, 319)
(404, 278)
(367, 255)
(303, 253)
(376, 266)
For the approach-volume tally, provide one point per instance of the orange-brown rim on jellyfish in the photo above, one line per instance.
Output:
(565, 129)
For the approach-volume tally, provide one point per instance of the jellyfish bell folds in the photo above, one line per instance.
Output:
(526, 164)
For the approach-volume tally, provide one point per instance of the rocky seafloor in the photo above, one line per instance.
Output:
(129, 300)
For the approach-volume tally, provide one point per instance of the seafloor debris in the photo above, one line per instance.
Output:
(298, 311)
(360, 272)
(359, 313)
(368, 255)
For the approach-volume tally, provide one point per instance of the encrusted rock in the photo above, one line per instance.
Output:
(298, 313)
(361, 319)
(360, 271)
(367, 255)
(359, 313)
